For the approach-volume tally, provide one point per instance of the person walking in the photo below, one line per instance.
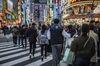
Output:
(95, 37)
(43, 38)
(19, 34)
(83, 47)
(32, 34)
(15, 33)
(56, 40)
(22, 33)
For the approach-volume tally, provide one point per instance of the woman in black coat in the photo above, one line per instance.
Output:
(32, 34)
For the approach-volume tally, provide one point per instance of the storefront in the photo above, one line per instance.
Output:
(82, 10)
(97, 13)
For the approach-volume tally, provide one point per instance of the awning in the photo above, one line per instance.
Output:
(76, 17)
(82, 16)
(96, 15)
(97, 9)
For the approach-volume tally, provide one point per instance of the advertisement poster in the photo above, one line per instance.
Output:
(8, 17)
(10, 5)
(1, 6)
(75, 1)
(43, 1)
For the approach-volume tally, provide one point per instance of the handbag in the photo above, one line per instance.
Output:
(69, 55)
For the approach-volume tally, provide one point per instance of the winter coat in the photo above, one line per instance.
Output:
(78, 48)
(32, 34)
(95, 37)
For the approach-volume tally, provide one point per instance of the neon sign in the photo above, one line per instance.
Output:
(1, 6)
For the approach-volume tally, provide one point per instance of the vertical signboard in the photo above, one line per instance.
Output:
(1, 6)
(41, 8)
(15, 2)
(10, 5)
(36, 11)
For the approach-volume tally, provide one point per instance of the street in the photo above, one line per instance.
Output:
(17, 56)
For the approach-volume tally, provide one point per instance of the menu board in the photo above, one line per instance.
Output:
(1, 6)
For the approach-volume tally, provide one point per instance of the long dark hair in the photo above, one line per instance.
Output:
(85, 30)
(44, 28)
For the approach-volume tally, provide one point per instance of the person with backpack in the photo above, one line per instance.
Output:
(56, 39)
(43, 40)
(32, 34)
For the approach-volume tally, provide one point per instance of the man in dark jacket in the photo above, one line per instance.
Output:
(15, 33)
(56, 39)
(22, 33)
(32, 34)
(19, 34)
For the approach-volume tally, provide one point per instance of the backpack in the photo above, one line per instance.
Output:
(14, 31)
(56, 34)
(43, 38)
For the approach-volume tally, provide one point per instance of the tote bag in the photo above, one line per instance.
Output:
(68, 56)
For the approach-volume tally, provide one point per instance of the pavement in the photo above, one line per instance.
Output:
(4, 39)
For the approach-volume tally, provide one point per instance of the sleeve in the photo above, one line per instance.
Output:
(74, 46)
(64, 33)
(48, 34)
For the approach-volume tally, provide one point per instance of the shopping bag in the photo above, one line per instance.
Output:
(62, 63)
(68, 56)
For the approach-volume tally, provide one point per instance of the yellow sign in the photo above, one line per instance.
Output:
(76, 1)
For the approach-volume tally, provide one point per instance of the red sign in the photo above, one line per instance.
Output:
(1, 14)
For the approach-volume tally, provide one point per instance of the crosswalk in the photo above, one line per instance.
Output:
(17, 56)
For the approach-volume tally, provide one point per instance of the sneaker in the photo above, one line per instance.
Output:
(31, 56)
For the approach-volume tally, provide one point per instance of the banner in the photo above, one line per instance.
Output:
(10, 5)
(75, 1)
(1, 6)
(43, 1)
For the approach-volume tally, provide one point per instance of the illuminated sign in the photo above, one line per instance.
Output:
(43, 1)
(56, 2)
(1, 5)
(8, 16)
(75, 1)
(10, 5)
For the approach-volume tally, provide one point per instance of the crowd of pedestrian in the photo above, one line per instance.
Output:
(83, 40)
